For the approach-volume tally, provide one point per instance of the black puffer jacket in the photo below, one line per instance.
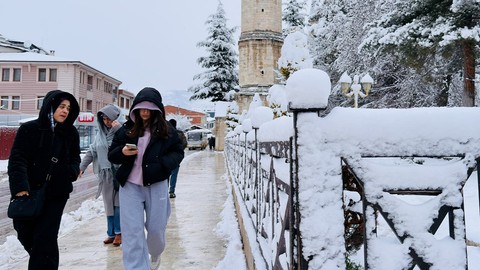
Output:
(161, 155)
(31, 154)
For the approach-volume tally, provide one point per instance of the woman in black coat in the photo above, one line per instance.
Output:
(143, 176)
(29, 163)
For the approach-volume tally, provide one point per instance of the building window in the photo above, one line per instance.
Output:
(89, 106)
(89, 82)
(107, 87)
(39, 102)
(52, 75)
(16, 103)
(17, 74)
(4, 103)
(42, 74)
(5, 74)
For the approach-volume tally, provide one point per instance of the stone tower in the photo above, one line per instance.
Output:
(259, 48)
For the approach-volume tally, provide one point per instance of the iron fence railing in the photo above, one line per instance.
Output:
(269, 178)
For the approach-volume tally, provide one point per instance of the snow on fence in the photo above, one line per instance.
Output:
(408, 166)
(263, 185)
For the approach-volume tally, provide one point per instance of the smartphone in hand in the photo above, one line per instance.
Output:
(131, 146)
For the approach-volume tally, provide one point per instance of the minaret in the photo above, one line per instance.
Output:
(259, 48)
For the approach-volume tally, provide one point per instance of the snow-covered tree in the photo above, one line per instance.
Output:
(221, 77)
(429, 31)
(183, 123)
(344, 36)
(232, 117)
(294, 16)
(295, 54)
(277, 100)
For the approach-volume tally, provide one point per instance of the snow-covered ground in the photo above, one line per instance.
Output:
(11, 251)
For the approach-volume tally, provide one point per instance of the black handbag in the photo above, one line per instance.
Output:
(30, 206)
(27, 207)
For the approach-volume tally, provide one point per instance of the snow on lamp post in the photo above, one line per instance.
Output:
(355, 89)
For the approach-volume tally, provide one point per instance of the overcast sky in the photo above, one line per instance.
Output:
(141, 43)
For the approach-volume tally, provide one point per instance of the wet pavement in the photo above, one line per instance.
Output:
(191, 239)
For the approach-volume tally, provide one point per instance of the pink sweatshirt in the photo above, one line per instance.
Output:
(136, 175)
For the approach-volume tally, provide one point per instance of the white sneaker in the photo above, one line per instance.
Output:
(155, 263)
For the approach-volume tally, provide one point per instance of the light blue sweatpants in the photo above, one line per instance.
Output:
(143, 209)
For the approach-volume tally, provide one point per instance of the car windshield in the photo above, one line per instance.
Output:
(195, 136)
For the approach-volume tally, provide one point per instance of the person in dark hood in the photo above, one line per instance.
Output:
(104, 170)
(174, 175)
(148, 148)
(29, 164)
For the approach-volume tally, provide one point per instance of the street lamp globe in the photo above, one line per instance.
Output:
(345, 82)
(367, 82)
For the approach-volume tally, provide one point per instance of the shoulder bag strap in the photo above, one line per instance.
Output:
(54, 159)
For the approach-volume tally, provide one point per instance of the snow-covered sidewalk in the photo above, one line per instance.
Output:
(202, 231)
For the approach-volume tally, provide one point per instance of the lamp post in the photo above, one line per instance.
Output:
(355, 89)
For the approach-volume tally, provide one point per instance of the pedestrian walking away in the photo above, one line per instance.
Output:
(147, 148)
(108, 124)
(211, 142)
(46, 151)
(173, 176)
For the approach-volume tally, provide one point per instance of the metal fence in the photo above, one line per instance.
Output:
(266, 192)
(269, 193)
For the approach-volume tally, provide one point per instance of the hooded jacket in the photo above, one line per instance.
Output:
(98, 150)
(161, 156)
(31, 154)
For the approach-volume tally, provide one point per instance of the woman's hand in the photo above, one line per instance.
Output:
(22, 193)
(129, 151)
(115, 123)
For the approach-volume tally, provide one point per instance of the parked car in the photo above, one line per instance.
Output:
(197, 138)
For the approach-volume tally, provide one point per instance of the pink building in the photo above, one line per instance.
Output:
(26, 77)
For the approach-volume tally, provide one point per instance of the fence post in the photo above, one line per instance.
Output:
(307, 92)
(257, 181)
(301, 263)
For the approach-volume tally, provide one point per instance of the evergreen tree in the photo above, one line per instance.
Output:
(221, 77)
(293, 16)
(425, 31)
(343, 38)
(294, 55)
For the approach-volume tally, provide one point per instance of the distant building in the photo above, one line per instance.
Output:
(27, 77)
(196, 118)
(14, 46)
(28, 73)
(124, 100)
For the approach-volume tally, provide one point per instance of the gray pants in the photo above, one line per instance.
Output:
(135, 201)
